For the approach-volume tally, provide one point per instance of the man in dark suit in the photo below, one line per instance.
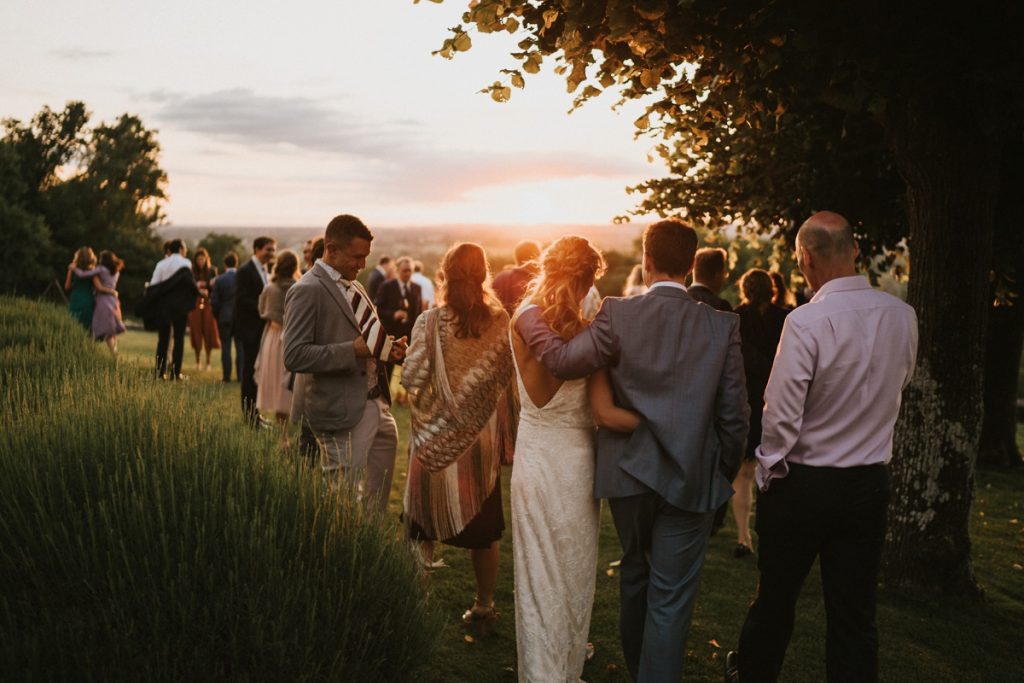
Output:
(248, 326)
(678, 365)
(510, 285)
(173, 312)
(378, 276)
(710, 274)
(399, 302)
(222, 300)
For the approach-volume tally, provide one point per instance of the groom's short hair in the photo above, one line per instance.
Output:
(343, 229)
(670, 246)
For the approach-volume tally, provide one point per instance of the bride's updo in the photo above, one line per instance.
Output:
(569, 267)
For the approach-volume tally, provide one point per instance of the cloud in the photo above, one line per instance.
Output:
(242, 116)
(79, 53)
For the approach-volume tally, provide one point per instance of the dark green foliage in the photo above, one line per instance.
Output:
(218, 244)
(100, 187)
(148, 538)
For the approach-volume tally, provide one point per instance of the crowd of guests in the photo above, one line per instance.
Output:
(691, 409)
(666, 401)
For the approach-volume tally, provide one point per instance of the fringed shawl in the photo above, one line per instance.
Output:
(463, 425)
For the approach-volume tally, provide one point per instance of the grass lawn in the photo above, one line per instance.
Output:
(921, 640)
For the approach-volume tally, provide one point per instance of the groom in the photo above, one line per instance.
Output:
(677, 363)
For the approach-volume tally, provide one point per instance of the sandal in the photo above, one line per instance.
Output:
(479, 613)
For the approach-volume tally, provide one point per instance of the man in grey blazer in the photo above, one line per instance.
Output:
(677, 363)
(345, 393)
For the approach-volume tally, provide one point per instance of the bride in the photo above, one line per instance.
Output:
(555, 517)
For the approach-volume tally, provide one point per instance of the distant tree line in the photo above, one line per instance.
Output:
(65, 184)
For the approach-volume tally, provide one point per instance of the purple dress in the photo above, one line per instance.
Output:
(106, 317)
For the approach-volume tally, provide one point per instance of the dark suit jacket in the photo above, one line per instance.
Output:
(169, 301)
(248, 325)
(676, 363)
(222, 298)
(373, 282)
(705, 295)
(389, 301)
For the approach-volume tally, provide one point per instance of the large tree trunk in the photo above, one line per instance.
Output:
(951, 171)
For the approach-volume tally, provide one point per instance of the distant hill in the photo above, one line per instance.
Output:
(428, 243)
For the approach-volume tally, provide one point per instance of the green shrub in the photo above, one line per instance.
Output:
(145, 537)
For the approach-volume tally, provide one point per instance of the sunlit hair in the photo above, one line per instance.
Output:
(634, 280)
(109, 260)
(568, 267)
(85, 258)
(783, 296)
(756, 287)
(200, 273)
(464, 286)
(287, 266)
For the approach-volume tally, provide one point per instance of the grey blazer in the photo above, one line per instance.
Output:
(678, 363)
(319, 331)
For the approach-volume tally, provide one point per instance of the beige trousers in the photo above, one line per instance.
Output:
(363, 458)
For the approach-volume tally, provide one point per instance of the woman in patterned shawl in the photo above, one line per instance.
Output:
(458, 371)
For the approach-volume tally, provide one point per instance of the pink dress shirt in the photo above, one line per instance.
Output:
(837, 381)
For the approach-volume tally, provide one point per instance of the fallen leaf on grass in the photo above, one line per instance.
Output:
(714, 643)
(1017, 566)
(468, 638)
(615, 563)
(610, 572)
(1014, 521)
(612, 667)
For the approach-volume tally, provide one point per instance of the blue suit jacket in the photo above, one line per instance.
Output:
(678, 364)
(222, 298)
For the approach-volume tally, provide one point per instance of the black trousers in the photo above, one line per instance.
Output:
(839, 515)
(224, 330)
(248, 378)
(177, 326)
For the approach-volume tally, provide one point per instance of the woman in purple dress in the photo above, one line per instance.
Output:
(106, 316)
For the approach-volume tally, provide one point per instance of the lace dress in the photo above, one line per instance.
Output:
(555, 522)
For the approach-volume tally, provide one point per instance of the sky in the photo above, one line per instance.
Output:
(285, 114)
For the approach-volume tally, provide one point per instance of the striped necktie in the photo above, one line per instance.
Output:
(369, 326)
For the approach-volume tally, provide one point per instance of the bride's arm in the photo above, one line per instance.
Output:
(602, 405)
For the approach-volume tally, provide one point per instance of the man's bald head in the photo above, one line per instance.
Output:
(825, 249)
(828, 236)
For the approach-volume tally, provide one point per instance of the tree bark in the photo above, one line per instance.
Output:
(951, 172)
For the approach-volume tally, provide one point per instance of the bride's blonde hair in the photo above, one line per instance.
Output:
(568, 263)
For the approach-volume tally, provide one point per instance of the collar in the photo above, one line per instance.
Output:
(259, 264)
(841, 284)
(666, 283)
(332, 273)
(697, 283)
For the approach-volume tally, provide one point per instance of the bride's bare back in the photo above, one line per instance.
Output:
(541, 386)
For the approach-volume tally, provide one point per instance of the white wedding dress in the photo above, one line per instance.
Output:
(555, 523)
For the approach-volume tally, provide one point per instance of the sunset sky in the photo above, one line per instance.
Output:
(286, 114)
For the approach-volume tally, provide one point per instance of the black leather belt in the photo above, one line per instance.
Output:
(373, 393)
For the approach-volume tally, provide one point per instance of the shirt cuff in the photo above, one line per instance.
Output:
(769, 467)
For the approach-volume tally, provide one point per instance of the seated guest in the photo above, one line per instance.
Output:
(453, 493)
(510, 285)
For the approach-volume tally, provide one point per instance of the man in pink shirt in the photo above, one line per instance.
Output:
(830, 407)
